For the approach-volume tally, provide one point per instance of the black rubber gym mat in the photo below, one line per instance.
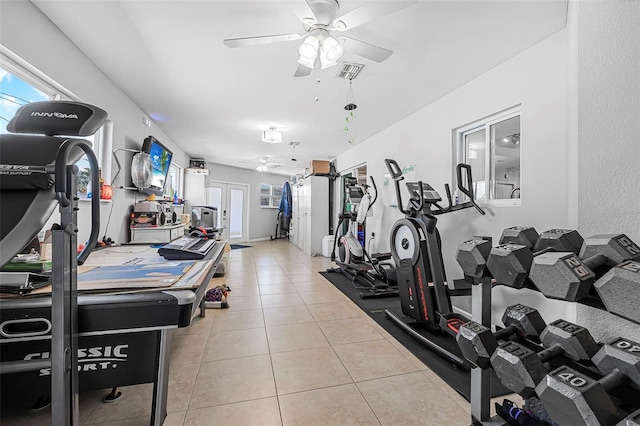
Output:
(457, 377)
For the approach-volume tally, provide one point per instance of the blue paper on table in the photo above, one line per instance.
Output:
(162, 274)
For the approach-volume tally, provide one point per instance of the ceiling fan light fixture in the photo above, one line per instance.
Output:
(309, 48)
(262, 168)
(306, 62)
(324, 63)
(331, 49)
(272, 136)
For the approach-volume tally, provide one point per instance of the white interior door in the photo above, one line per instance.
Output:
(231, 200)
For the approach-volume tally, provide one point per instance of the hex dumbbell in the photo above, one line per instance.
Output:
(510, 263)
(632, 419)
(520, 369)
(563, 275)
(618, 290)
(472, 256)
(478, 343)
(522, 235)
(570, 396)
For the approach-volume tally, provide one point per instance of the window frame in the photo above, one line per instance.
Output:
(270, 194)
(179, 173)
(462, 150)
(101, 141)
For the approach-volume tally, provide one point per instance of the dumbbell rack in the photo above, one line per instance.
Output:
(480, 392)
(480, 395)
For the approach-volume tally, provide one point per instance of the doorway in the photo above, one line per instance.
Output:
(231, 201)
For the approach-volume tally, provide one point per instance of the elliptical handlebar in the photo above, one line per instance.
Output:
(468, 190)
(448, 208)
(416, 202)
(396, 173)
(394, 169)
(375, 188)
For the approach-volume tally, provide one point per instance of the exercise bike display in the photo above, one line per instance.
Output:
(417, 251)
(367, 272)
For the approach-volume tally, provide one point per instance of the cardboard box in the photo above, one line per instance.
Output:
(319, 167)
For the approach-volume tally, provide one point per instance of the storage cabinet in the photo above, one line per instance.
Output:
(157, 235)
(310, 211)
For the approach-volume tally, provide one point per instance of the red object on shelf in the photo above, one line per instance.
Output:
(107, 192)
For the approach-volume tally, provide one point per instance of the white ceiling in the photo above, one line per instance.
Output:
(215, 101)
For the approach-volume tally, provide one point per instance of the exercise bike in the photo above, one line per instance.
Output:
(417, 251)
(367, 272)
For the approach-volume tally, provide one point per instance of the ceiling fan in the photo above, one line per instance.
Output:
(320, 48)
(264, 164)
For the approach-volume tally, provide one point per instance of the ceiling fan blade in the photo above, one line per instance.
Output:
(255, 41)
(302, 71)
(368, 12)
(366, 50)
(304, 13)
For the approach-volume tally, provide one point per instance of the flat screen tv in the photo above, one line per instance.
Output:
(160, 162)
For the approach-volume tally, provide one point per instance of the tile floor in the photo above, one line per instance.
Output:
(291, 350)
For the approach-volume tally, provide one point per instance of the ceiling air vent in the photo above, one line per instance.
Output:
(349, 70)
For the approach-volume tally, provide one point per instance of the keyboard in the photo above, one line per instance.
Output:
(187, 248)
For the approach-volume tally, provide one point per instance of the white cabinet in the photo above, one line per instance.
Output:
(310, 211)
(157, 235)
(195, 186)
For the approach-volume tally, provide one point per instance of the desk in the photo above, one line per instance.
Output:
(124, 337)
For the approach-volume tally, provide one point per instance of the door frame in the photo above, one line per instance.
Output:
(245, 210)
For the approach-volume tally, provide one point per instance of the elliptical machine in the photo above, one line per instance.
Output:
(417, 251)
(367, 272)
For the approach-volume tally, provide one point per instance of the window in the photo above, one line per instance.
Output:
(21, 84)
(174, 181)
(15, 92)
(270, 195)
(492, 147)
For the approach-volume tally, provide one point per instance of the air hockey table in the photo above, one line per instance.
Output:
(124, 334)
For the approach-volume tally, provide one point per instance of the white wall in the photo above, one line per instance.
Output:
(536, 79)
(49, 50)
(609, 113)
(608, 131)
(580, 96)
(262, 221)
(28, 33)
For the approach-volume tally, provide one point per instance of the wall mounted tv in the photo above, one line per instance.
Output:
(160, 162)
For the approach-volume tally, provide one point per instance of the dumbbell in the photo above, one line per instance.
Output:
(478, 343)
(573, 398)
(565, 276)
(632, 419)
(472, 256)
(618, 289)
(510, 263)
(522, 235)
(520, 369)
